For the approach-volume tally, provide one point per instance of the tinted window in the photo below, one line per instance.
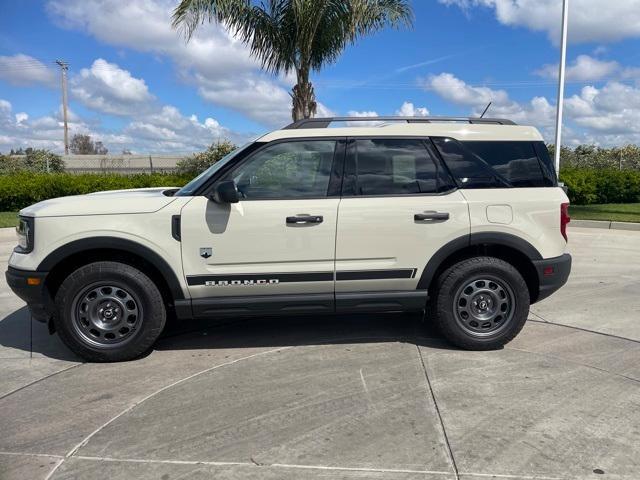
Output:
(393, 167)
(493, 164)
(517, 162)
(286, 170)
(547, 165)
(467, 169)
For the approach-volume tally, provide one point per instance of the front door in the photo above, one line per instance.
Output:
(276, 247)
(399, 207)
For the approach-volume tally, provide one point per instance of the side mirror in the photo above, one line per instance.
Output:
(226, 192)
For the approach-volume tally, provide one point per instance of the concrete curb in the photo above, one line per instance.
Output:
(605, 224)
(8, 233)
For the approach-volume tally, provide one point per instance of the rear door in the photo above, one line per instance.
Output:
(399, 207)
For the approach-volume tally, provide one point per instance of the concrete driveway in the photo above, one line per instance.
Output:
(376, 397)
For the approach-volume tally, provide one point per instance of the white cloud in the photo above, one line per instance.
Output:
(107, 88)
(163, 130)
(605, 116)
(215, 62)
(589, 20)
(538, 111)
(409, 110)
(21, 117)
(23, 70)
(583, 69)
(613, 110)
(457, 91)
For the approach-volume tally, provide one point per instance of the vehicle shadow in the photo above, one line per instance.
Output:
(18, 332)
(285, 331)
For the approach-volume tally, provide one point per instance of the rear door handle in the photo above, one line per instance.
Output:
(304, 218)
(418, 217)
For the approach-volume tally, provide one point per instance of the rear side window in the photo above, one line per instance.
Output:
(494, 164)
(393, 167)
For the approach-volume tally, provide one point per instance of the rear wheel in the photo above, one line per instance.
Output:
(481, 303)
(109, 311)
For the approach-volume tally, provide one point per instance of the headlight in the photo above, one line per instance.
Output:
(25, 235)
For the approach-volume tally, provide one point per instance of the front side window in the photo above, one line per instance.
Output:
(297, 169)
(393, 167)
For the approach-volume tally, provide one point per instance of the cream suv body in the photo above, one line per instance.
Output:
(462, 218)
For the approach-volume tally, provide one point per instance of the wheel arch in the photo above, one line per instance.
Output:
(507, 247)
(65, 259)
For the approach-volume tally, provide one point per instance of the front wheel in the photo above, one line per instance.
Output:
(108, 312)
(481, 303)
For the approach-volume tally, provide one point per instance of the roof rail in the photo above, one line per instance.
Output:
(325, 122)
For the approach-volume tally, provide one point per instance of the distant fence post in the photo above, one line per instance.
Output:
(151, 163)
(48, 168)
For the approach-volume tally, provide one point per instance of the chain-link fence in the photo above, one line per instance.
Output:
(120, 163)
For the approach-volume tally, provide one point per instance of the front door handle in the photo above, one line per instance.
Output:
(418, 217)
(304, 218)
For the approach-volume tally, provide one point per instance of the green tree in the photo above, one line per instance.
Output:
(199, 162)
(84, 145)
(295, 35)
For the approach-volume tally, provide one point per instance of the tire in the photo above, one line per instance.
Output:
(481, 303)
(109, 312)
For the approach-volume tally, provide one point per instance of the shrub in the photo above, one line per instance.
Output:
(23, 189)
(591, 185)
(199, 162)
(33, 161)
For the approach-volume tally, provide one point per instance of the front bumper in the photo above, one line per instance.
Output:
(36, 296)
(553, 273)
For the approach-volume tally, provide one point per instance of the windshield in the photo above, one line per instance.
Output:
(197, 182)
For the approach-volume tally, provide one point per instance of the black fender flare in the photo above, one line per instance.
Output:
(480, 238)
(114, 243)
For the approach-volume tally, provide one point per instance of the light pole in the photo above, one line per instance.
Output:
(563, 62)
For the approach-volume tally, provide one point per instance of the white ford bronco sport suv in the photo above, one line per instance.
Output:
(462, 218)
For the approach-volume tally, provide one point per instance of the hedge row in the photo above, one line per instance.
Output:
(586, 186)
(23, 189)
(589, 185)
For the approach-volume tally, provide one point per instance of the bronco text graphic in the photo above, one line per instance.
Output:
(246, 283)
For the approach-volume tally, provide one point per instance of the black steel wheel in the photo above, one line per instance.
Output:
(109, 311)
(480, 303)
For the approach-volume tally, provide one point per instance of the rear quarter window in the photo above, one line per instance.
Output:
(489, 164)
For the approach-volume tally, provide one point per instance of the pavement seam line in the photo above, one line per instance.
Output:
(516, 477)
(151, 395)
(249, 464)
(40, 380)
(579, 364)
(26, 454)
(610, 335)
(441, 421)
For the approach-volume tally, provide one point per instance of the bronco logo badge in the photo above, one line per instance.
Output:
(206, 252)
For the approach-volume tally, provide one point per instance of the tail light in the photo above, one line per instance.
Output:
(564, 219)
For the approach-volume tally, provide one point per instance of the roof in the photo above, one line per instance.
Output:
(458, 128)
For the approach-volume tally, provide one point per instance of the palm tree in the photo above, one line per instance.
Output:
(300, 35)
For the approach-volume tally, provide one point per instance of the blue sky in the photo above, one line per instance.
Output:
(135, 84)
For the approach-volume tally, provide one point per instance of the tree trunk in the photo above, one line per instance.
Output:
(303, 97)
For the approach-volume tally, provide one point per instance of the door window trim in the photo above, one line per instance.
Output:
(335, 177)
(431, 152)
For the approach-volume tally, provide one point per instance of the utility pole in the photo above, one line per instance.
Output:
(563, 62)
(64, 67)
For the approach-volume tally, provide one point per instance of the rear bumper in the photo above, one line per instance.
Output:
(553, 273)
(36, 296)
